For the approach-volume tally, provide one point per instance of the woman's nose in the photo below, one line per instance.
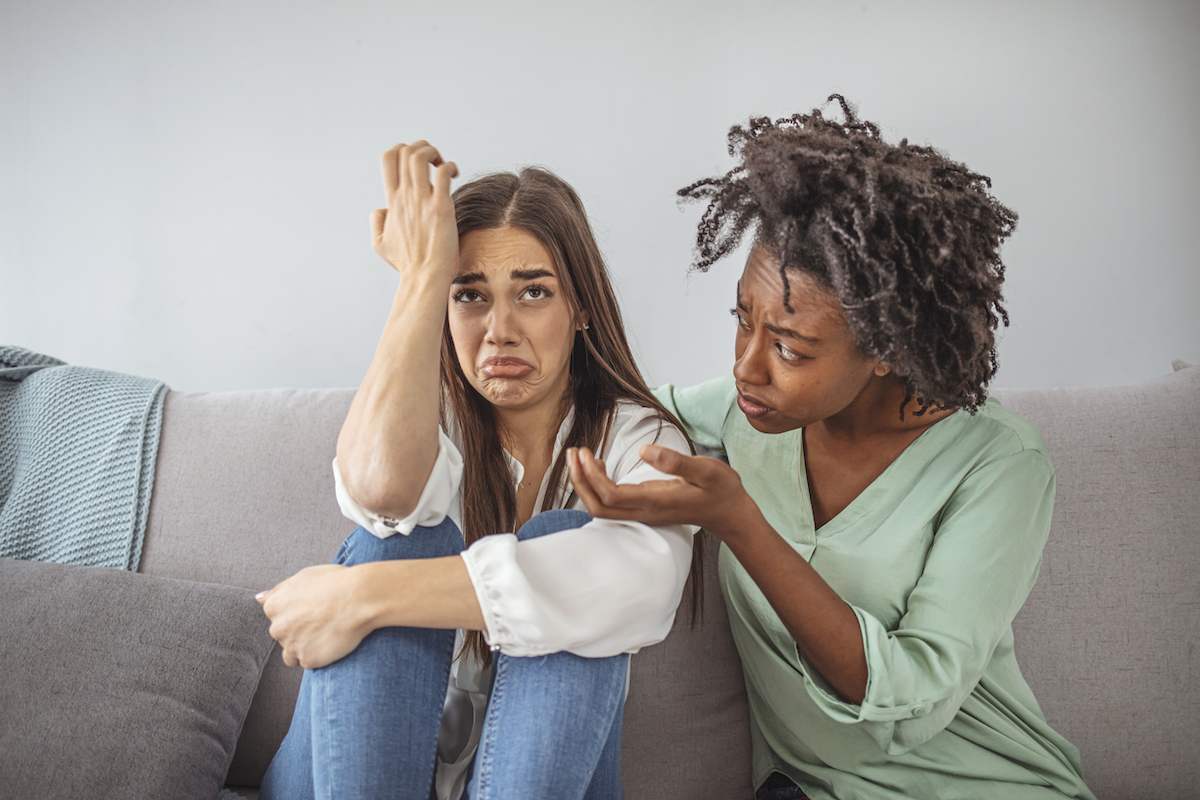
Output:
(502, 325)
(750, 365)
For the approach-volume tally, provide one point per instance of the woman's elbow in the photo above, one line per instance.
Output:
(377, 492)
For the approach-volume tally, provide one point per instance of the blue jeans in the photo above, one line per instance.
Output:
(366, 727)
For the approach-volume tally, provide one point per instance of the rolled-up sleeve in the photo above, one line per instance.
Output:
(441, 488)
(983, 562)
(605, 588)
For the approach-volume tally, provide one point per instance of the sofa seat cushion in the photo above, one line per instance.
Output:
(122, 685)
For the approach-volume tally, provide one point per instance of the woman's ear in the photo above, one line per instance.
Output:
(882, 368)
(583, 320)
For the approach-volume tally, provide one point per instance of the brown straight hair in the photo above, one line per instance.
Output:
(602, 368)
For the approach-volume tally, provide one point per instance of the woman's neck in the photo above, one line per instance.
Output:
(876, 413)
(529, 434)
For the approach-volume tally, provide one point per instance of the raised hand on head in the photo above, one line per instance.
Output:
(416, 231)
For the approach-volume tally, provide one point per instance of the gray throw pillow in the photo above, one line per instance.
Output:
(115, 684)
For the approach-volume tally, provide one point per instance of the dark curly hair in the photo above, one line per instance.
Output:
(906, 239)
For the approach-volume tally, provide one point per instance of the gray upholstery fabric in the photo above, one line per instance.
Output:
(687, 724)
(244, 496)
(1107, 639)
(121, 685)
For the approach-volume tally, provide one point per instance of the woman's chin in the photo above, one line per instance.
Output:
(507, 393)
(773, 422)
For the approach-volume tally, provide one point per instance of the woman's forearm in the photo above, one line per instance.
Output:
(419, 593)
(825, 627)
(322, 613)
(389, 442)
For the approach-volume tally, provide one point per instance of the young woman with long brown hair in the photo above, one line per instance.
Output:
(504, 348)
(881, 519)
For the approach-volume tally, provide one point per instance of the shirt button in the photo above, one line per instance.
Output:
(919, 711)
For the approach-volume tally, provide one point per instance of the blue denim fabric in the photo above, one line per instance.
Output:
(553, 724)
(366, 726)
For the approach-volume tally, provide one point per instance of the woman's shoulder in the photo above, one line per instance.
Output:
(715, 395)
(706, 410)
(629, 414)
(991, 438)
(635, 424)
(1005, 429)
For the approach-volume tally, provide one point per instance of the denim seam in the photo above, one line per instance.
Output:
(490, 729)
(328, 739)
(616, 699)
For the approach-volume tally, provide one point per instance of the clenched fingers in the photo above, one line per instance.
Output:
(442, 176)
(378, 218)
(414, 164)
(407, 166)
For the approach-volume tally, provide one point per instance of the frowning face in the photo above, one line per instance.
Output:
(512, 327)
(794, 367)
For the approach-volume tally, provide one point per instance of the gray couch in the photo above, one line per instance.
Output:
(243, 497)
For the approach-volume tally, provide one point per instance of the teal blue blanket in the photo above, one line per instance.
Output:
(77, 451)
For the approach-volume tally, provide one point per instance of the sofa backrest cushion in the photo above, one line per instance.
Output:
(1107, 639)
(243, 495)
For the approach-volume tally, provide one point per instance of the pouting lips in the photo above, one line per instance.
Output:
(504, 367)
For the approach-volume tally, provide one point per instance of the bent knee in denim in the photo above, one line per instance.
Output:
(364, 547)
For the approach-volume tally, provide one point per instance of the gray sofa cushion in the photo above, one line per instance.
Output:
(687, 722)
(1107, 638)
(121, 685)
(243, 495)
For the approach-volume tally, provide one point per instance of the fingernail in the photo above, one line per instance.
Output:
(260, 595)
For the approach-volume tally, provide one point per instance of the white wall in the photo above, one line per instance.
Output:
(184, 187)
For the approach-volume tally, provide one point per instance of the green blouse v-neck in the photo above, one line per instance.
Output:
(936, 557)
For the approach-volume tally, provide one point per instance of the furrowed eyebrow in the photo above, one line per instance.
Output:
(791, 334)
(776, 329)
(517, 274)
(531, 274)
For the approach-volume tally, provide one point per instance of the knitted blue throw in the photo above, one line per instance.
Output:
(77, 452)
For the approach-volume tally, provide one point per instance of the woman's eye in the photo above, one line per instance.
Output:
(537, 293)
(467, 296)
(788, 355)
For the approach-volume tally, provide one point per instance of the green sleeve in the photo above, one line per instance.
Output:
(701, 409)
(985, 556)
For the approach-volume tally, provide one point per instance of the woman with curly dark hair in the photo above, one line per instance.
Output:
(882, 520)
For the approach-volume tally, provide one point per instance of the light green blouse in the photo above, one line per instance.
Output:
(936, 557)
